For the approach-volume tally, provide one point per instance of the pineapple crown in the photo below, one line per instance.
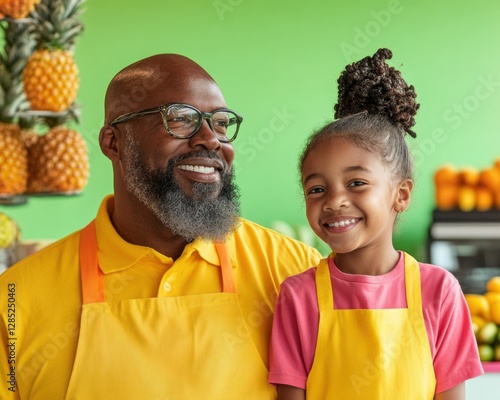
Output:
(58, 23)
(19, 44)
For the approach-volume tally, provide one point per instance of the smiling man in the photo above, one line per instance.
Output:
(168, 293)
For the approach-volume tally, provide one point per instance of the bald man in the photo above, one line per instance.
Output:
(168, 293)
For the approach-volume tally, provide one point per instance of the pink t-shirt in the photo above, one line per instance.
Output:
(447, 320)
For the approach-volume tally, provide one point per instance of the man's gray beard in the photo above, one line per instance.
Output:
(201, 216)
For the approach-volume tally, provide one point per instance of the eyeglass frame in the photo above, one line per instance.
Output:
(163, 109)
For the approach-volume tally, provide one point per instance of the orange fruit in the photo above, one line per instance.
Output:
(496, 199)
(469, 176)
(490, 178)
(493, 285)
(495, 312)
(478, 305)
(447, 196)
(466, 198)
(492, 297)
(496, 164)
(484, 198)
(446, 175)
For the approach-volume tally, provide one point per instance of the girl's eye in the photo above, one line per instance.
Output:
(314, 190)
(356, 183)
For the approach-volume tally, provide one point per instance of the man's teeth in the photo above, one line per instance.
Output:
(341, 223)
(198, 168)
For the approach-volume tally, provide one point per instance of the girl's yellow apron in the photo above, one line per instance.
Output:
(163, 348)
(372, 354)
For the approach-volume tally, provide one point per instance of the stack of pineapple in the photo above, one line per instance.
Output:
(19, 44)
(39, 151)
(485, 315)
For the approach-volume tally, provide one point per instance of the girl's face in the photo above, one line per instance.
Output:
(351, 197)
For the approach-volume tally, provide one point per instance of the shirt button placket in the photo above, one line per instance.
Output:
(167, 287)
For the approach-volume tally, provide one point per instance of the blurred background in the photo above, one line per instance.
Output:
(277, 63)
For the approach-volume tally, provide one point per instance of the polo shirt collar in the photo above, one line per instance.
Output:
(116, 254)
(208, 252)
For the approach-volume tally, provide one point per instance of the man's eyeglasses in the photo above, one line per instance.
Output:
(183, 121)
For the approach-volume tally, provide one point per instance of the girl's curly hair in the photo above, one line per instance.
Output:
(375, 108)
(373, 86)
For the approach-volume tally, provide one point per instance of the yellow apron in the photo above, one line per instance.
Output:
(163, 348)
(371, 353)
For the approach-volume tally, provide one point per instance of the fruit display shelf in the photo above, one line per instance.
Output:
(455, 224)
(44, 113)
(17, 200)
(467, 243)
(13, 200)
(17, 20)
(456, 215)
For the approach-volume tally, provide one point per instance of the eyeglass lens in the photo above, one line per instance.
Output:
(183, 121)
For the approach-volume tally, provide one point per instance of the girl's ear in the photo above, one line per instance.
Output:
(108, 141)
(403, 196)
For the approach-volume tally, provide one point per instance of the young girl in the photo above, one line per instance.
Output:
(369, 322)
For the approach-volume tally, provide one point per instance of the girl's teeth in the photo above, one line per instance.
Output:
(342, 223)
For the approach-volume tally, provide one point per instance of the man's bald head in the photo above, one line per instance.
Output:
(141, 84)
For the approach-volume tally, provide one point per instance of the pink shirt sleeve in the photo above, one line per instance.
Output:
(446, 316)
(449, 328)
(294, 333)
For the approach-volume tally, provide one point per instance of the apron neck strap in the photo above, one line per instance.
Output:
(228, 285)
(324, 286)
(91, 274)
(412, 284)
(93, 279)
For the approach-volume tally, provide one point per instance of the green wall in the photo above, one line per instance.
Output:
(277, 63)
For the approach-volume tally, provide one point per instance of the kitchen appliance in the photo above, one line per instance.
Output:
(467, 244)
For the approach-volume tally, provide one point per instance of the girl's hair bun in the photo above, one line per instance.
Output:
(370, 85)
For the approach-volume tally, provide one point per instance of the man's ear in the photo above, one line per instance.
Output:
(108, 141)
(403, 196)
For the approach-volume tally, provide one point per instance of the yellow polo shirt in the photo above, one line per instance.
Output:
(41, 297)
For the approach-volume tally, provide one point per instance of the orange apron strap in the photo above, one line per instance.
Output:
(91, 274)
(324, 285)
(228, 285)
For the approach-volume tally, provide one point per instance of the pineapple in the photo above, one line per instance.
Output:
(29, 138)
(13, 160)
(8, 231)
(51, 80)
(13, 155)
(58, 162)
(17, 8)
(51, 76)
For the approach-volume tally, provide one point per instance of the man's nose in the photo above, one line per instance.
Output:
(205, 137)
